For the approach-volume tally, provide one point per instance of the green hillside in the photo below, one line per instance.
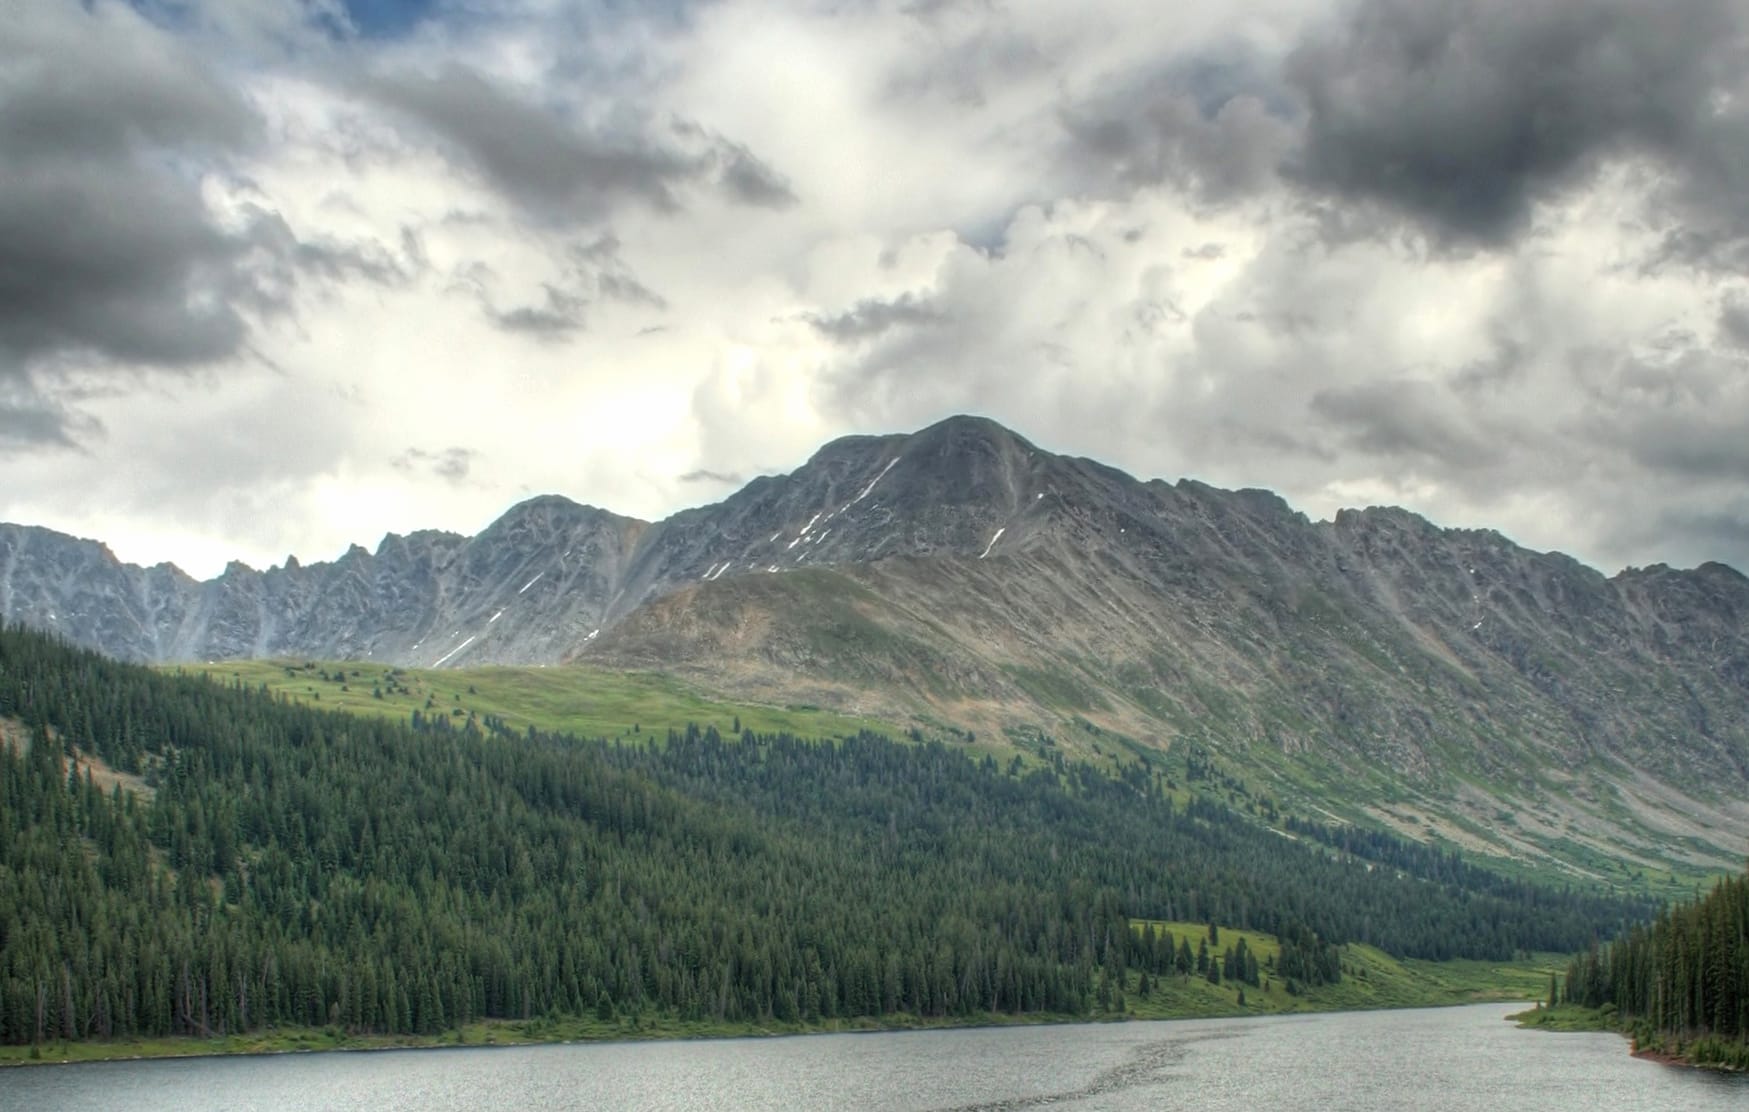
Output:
(187, 859)
(598, 702)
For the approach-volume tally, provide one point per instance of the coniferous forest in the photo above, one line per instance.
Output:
(1681, 984)
(278, 865)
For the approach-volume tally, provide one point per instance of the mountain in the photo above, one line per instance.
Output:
(1443, 682)
(549, 565)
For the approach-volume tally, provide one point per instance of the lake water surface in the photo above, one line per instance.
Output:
(1437, 1058)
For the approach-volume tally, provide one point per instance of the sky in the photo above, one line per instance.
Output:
(277, 276)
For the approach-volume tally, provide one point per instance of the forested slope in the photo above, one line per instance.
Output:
(1681, 983)
(287, 865)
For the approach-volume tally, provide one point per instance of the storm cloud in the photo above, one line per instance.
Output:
(114, 257)
(1390, 419)
(1218, 126)
(570, 170)
(106, 245)
(1734, 323)
(1462, 116)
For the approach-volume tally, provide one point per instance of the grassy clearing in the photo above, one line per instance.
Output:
(1566, 1017)
(1370, 979)
(587, 702)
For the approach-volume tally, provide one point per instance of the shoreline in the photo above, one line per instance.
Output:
(1573, 1019)
(1664, 1057)
(504, 1034)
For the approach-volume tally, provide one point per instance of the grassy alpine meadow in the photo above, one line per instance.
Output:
(568, 699)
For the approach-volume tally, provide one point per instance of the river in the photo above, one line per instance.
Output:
(1435, 1058)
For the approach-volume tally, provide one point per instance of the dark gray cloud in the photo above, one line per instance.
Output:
(1462, 115)
(1715, 237)
(590, 273)
(1404, 421)
(960, 64)
(929, 11)
(1680, 412)
(872, 317)
(529, 151)
(105, 247)
(102, 84)
(1217, 127)
(726, 478)
(29, 420)
(452, 465)
(277, 262)
(1697, 449)
(1456, 117)
(559, 315)
(1641, 528)
(570, 170)
(623, 287)
(752, 182)
(111, 258)
(1734, 323)
(110, 255)
(598, 264)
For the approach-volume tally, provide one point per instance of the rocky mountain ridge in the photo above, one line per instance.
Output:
(961, 576)
(539, 583)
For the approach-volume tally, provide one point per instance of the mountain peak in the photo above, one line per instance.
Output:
(969, 426)
(961, 430)
(554, 507)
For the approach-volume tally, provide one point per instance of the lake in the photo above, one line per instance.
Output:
(1435, 1058)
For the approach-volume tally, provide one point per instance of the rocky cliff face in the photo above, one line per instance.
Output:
(530, 588)
(960, 574)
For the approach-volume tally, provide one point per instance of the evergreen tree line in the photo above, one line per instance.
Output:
(1681, 982)
(294, 866)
